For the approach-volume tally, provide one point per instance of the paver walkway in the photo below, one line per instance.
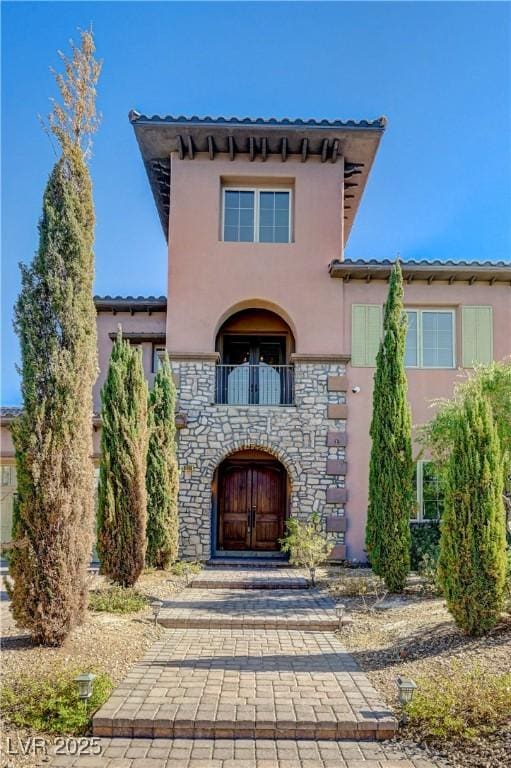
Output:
(246, 680)
(254, 609)
(249, 578)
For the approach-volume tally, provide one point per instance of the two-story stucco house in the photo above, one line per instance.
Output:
(272, 334)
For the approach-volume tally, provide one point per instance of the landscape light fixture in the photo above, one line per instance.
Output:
(85, 684)
(339, 611)
(156, 607)
(406, 688)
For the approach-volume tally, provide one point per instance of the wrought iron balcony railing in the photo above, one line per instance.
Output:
(255, 384)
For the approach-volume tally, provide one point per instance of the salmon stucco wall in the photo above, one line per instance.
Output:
(424, 385)
(139, 322)
(209, 279)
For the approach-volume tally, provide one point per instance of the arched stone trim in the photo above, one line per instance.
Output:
(250, 445)
(255, 304)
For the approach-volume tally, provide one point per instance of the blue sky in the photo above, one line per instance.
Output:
(440, 187)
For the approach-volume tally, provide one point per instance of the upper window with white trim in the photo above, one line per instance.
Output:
(430, 338)
(256, 215)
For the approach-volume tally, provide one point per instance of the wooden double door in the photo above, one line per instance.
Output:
(252, 501)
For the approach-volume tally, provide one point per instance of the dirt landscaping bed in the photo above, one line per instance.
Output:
(106, 642)
(414, 636)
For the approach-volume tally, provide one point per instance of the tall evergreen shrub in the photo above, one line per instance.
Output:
(162, 472)
(55, 321)
(391, 466)
(472, 563)
(122, 497)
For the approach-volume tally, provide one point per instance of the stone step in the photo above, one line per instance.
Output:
(227, 609)
(249, 578)
(239, 683)
(262, 562)
(241, 753)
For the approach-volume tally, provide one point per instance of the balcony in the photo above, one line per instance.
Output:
(260, 384)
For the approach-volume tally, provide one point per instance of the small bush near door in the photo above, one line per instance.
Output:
(307, 543)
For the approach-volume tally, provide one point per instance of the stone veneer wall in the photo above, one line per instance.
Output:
(297, 435)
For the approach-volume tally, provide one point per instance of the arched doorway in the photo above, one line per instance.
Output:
(255, 347)
(251, 490)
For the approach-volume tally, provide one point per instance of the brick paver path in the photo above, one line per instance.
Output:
(249, 578)
(246, 680)
(255, 609)
(244, 753)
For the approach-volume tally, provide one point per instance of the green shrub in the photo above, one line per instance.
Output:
(117, 600)
(425, 538)
(307, 544)
(460, 704)
(185, 568)
(162, 477)
(391, 494)
(51, 704)
(472, 560)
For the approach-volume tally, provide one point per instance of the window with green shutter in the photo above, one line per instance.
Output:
(366, 330)
(477, 335)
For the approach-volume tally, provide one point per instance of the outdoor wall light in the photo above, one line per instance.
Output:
(85, 684)
(156, 607)
(187, 471)
(406, 688)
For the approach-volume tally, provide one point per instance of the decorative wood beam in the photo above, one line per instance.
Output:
(350, 184)
(349, 174)
(430, 279)
(180, 147)
(472, 280)
(368, 278)
(283, 149)
(492, 280)
(348, 197)
(211, 148)
(305, 149)
(451, 279)
(335, 151)
(251, 146)
(190, 147)
(409, 279)
(264, 148)
(232, 148)
(324, 150)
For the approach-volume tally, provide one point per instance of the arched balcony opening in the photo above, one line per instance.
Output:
(255, 346)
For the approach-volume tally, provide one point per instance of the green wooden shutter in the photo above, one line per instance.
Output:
(477, 335)
(366, 327)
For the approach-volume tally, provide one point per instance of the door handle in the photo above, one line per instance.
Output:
(253, 516)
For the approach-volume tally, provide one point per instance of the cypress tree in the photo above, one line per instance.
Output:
(472, 562)
(162, 472)
(122, 498)
(55, 321)
(391, 465)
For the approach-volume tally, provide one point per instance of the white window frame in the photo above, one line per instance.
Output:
(420, 311)
(257, 191)
(419, 480)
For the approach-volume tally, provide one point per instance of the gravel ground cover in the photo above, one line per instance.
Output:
(106, 642)
(415, 636)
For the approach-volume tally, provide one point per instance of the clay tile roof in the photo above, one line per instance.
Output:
(449, 270)
(130, 303)
(158, 136)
